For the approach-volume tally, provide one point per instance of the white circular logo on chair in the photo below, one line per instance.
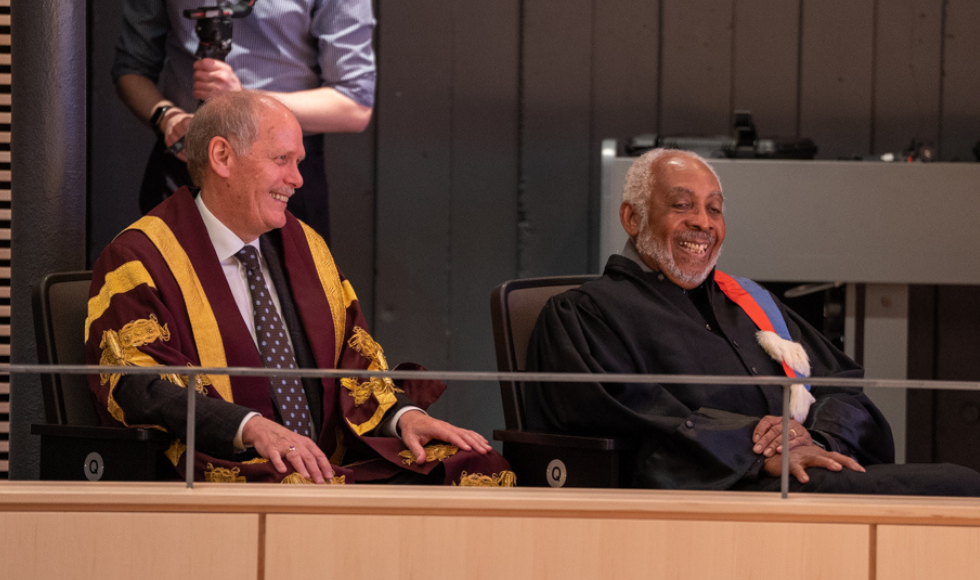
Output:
(557, 473)
(94, 466)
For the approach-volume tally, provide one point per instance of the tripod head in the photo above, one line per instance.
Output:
(214, 27)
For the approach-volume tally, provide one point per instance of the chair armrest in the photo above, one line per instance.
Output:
(95, 432)
(558, 440)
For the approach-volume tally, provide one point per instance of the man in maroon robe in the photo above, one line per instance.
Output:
(173, 289)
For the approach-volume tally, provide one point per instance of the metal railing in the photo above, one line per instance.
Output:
(464, 376)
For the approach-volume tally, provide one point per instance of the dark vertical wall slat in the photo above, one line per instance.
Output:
(765, 70)
(483, 236)
(908, 56)
(350, 173)
(625, 69)
(836, 76)
(625, 82)
(413, 181)
(120, 144)
(920, 416)
(957, 413)
(696, 79)
(961, 80)
(555, 136)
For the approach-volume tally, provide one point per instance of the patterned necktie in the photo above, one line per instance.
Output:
(288, 393)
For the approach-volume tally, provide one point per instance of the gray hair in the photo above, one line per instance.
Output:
(234, 116)
(639, 177)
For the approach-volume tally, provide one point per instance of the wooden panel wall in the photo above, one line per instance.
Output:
(481, 163)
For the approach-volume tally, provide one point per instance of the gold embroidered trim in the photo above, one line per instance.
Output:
(121, 349)
(383, 389)
(432, 453)
(121, 280)
(223, 475)
(204, 326)
(255, 461)
(502, 479)
(296, 478)
(201, 382)
(329, 277)
(349, 295)
(175, 452)
(369, 348)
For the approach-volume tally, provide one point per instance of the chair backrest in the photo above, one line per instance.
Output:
(514, 308)
(60, 307)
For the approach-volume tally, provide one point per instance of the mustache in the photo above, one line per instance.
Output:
(289, 191)
(696, 237)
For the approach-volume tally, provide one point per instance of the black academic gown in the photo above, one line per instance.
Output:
(691, 436)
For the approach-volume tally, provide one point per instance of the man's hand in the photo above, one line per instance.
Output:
(417, 429)
(214, 77)
(810, 456)
(275, 443)
(174, 126)
(768, 436)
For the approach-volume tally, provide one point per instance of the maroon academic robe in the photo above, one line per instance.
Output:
(159, 297)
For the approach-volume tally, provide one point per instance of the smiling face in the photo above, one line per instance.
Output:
(680, 227)
(250, 198)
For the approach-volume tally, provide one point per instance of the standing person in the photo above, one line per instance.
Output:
(313, 55)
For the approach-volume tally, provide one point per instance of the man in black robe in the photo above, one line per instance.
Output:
(658, 309)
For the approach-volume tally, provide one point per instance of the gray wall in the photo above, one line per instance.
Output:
(482, 161)
(48, 186)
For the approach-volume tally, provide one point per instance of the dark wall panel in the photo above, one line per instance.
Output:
(414, 180)
(625, 83)
(483, 212)
(836, 76)
(119, 144)
(696, 74)
(555, 137)
(350, 173)
(765, 69)
(957, 413)
(961, 80)
(625, 69)
(908, 57)
(48, 172)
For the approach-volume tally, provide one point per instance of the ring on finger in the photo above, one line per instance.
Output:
(791, 432)
(291, 448)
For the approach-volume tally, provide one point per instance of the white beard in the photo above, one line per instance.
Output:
(649, 245)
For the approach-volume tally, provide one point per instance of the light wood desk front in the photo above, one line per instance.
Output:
(269, 532)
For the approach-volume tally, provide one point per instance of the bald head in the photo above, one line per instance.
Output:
(235, 116)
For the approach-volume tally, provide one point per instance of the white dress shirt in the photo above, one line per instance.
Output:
(226, 244)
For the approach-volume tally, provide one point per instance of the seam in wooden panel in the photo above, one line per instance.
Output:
(873, 552)
(260, 564)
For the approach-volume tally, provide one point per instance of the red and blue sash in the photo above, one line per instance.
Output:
(759, 305)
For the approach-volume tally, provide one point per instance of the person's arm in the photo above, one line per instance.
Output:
(319, 110)
(142, 97)
(147, 400)
(345, 100)
(140, 54)
(842, 419)
(130, 324)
